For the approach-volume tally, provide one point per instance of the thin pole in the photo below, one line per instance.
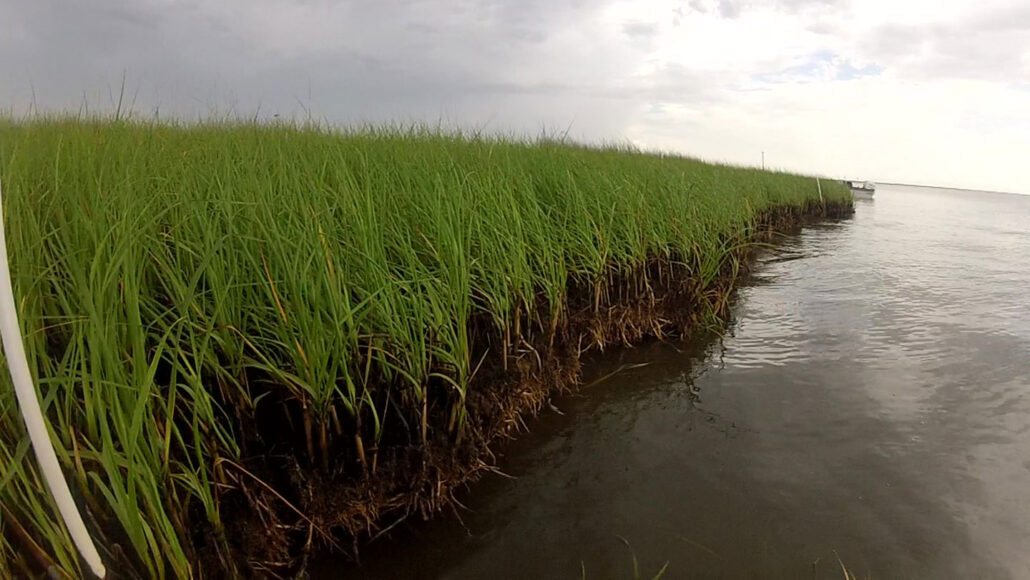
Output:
(28, 403)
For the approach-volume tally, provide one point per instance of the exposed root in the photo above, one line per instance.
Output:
(284, 511)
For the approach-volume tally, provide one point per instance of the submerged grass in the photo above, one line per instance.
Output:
(217, 312)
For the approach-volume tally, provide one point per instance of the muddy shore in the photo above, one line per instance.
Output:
(289, 514)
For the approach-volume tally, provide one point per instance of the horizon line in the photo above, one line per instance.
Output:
(950, 187)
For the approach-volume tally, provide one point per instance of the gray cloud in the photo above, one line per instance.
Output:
(698, 6)
(494, 60)
(514, 65)
(729, 9)
(506, 65)
(989, 48)
(639, 29)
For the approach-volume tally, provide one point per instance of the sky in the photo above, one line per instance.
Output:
(926, 92)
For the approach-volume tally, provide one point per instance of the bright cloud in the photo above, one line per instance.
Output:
(925, 92)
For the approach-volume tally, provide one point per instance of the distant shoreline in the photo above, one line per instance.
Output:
(951, 188)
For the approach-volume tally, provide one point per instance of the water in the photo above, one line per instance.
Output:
(871, 403)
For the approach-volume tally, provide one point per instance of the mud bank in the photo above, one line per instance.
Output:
(293, 514)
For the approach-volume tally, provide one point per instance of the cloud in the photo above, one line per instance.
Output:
(637, 30)
(952, 51)
(883, 80)
(729, 9)
(515, 64)
(700, 6)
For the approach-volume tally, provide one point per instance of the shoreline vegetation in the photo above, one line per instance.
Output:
(257, 342)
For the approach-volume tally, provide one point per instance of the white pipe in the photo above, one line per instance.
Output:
(28, 402)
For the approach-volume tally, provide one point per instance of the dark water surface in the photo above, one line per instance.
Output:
(871, 401)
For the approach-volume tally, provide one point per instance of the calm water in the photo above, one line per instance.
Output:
(871, 401)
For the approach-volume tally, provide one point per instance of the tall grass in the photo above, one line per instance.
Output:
(191, 296)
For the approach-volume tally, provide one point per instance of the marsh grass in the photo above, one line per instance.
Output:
(195, 296)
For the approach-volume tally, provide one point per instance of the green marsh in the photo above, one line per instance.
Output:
(196, 299)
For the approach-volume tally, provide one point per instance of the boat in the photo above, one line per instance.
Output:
(861, 188)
